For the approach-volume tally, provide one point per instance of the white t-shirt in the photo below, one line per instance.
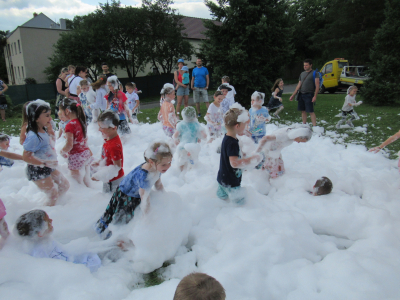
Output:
(231, 94)
(101, 102)
(132, 98)
(216, 114)
(349, 99)
(73, 83)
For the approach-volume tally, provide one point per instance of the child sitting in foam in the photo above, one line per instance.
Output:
(258, 116)
(215, 117)
(187, 136)
(7, 158)
(272, 145)
(35, 227)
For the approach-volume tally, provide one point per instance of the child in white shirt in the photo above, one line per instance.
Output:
(214, 117)
(133, 98)
(347, 109)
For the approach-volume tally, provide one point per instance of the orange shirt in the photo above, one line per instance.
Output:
(166, 109)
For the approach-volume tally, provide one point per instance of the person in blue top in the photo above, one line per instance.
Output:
(7, 158)
(258, 116)
(135, 188)
(200, 83)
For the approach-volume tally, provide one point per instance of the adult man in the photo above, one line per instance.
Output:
(308, 92)
(199, 84)
(106, 70)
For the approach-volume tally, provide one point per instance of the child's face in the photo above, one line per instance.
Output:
(300, 140)
(353, 92)
(64, 113)
(164, 164)
(239, 128)
(107, 131)
(61, 116)
(256, 103)
(129, 89)
(171, 95)
(219, 99)
(44, 119)
(4, 145)
(85, 88)
(110, 86)
(280, 84)
(224, 92)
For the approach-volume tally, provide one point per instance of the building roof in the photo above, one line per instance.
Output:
(41, 21)
(194, 27)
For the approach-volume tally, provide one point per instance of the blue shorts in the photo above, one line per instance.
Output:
(181, 91)
(305, 102)
(236, 194)
(257, 138)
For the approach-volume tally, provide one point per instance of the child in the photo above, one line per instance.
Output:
(231, 163)
(188, 132)
(167, 111)
(61, 125)
(232, 92)
(116, 101)
(276, 99)
(133, 99)
(199, 286)
(76, 148)
(87, 97)
(40, 154)
(347, 109)
(35, 227)
(112, 153)
(323, 186)
(7, 158)
(185, 75)
(136, 187)
(4, 233)
(215, 117)
(227, 102)
(258, 116)
(101, 103)
(272, 145)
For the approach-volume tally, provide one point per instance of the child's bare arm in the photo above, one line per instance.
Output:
(136, 106)
(145, 200)
(239, 163)
(11, 155)
(30, 159)
(209, 120)
(264, 140)
(117, 163)
(390, 140)
(159, 186)
(175, 137)
(68, 145)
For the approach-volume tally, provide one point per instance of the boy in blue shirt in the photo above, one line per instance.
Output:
(231, 162)
(258, 116)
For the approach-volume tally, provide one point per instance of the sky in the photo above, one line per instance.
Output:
(16, 12)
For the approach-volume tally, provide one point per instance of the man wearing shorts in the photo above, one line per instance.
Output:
(200, 82)
(308, 92)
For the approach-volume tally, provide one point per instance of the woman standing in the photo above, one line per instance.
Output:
(3, 101)
(73, 82)
(62, 90)
(182, 90)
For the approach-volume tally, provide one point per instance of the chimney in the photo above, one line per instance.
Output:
(63, 24)
(35, 15)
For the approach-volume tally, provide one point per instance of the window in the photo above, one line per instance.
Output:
(19, 73)
(23, 75)
(329, 68)
(15, 48)
(323, 71)
(19, 47)
(12, 51)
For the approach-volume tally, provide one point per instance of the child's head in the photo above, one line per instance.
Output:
(130, 87)
(101, 81)
(35, 223)
(199, 286)
(236, 118)
(189, 114)
(323, 186)
(352, 90)
(84, 85)
(278, 83)
(225, 88)
(4, 141)
(168, 90)
(185, 69)
(300, 133)
(38, 115)
(225, 79)
(159, 155)
(71, 69)
(108, 122)
(113, 83)
(81, 71)
(219, 97)
(71, 108)
(61, 116)
(257, 99)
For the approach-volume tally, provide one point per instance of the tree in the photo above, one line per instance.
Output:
(165, 43)
(251, 43)
(3, 68)
(383, 86)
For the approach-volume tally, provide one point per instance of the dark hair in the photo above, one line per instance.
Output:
(199, 286)
(323, 186)
(73, 106)
(24, 114)
(33, 111)
(308, 60)
(225, 78)
(218, 93)
(276, 84)
(4, 137)
(130, 84)
(78, 69)
(102, 80)
(31, 222)
(109, 115)
(104, 64)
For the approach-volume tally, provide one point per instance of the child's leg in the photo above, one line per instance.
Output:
(237, 195)
(86, 176)
(341, 121)
(221, 193)
(278, 111)
(47, 186)
(62, 182)
(76, 174)
(4, 233)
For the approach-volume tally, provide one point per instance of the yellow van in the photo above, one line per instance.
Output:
(331, 75)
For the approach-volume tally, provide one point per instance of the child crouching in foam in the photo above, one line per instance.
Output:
(188, 134)
(110, 169)
(167, 111)
(35, 227)
(7, 158)
(231, 162)
(135, 189)
(258, 116)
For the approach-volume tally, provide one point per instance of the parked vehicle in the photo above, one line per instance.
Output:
(331, 74)
(354, 75)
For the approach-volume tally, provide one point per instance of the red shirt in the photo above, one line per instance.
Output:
(80, 142)
(112, 150)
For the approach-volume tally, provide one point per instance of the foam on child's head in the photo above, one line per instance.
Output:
(299, 131)
(36, 104)
(323, 186)
(157, 151)
(189, 114)
(258, 96)
(31, 223)
(114, 81)
(167, 89)
(108, 119)
(4, 137)
(243, 115)
(235, 115)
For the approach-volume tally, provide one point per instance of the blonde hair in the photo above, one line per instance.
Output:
(353, 87)
(71, 67)
(157, 151)
(231, 117)
(225, 78)
(199, 286)
(83, 82)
